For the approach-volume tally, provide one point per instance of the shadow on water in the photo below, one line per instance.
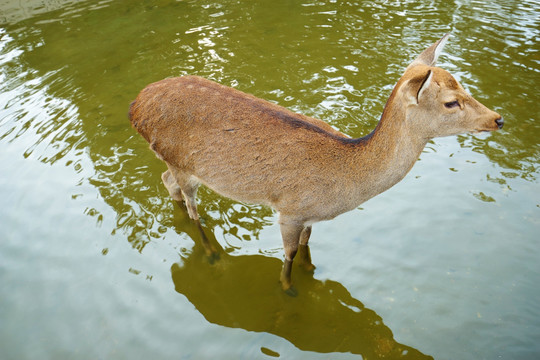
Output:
(244, 292)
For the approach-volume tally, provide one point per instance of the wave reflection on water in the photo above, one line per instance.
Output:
(47, 125)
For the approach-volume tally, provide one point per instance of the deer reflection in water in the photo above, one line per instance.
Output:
(323, 318)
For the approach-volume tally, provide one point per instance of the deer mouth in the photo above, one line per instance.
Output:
(483, 131)
(497, 124)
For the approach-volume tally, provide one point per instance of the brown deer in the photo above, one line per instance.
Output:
(251, 150)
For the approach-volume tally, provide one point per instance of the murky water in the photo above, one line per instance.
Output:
(96, 261)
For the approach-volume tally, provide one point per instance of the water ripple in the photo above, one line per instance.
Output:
(69, 70)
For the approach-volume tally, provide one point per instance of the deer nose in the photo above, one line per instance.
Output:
(499, 122)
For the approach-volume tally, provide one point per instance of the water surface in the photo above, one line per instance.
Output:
(96, 261)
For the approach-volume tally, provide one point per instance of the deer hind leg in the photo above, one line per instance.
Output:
(290, 232)
(184, 187)
(172, 186)
(304, 255)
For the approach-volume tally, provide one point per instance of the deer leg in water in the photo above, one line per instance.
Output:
(209, 249)
(304, 255)
(172, 186)
(182, 188)
(290, 233)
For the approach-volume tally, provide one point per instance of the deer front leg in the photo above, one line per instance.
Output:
(304, 254)
(290, 232)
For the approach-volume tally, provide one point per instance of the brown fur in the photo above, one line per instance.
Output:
(252, 150)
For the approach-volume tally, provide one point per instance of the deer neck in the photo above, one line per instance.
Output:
(387, 154)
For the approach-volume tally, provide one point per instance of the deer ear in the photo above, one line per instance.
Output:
(416, 87)
(431, 54)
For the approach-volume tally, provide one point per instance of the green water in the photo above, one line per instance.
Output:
(97, 262)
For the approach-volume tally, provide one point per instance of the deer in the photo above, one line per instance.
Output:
(254, 151)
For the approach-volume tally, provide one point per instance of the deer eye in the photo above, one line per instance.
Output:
(451, 104)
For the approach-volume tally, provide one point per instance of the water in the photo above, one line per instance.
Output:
(96, 261)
